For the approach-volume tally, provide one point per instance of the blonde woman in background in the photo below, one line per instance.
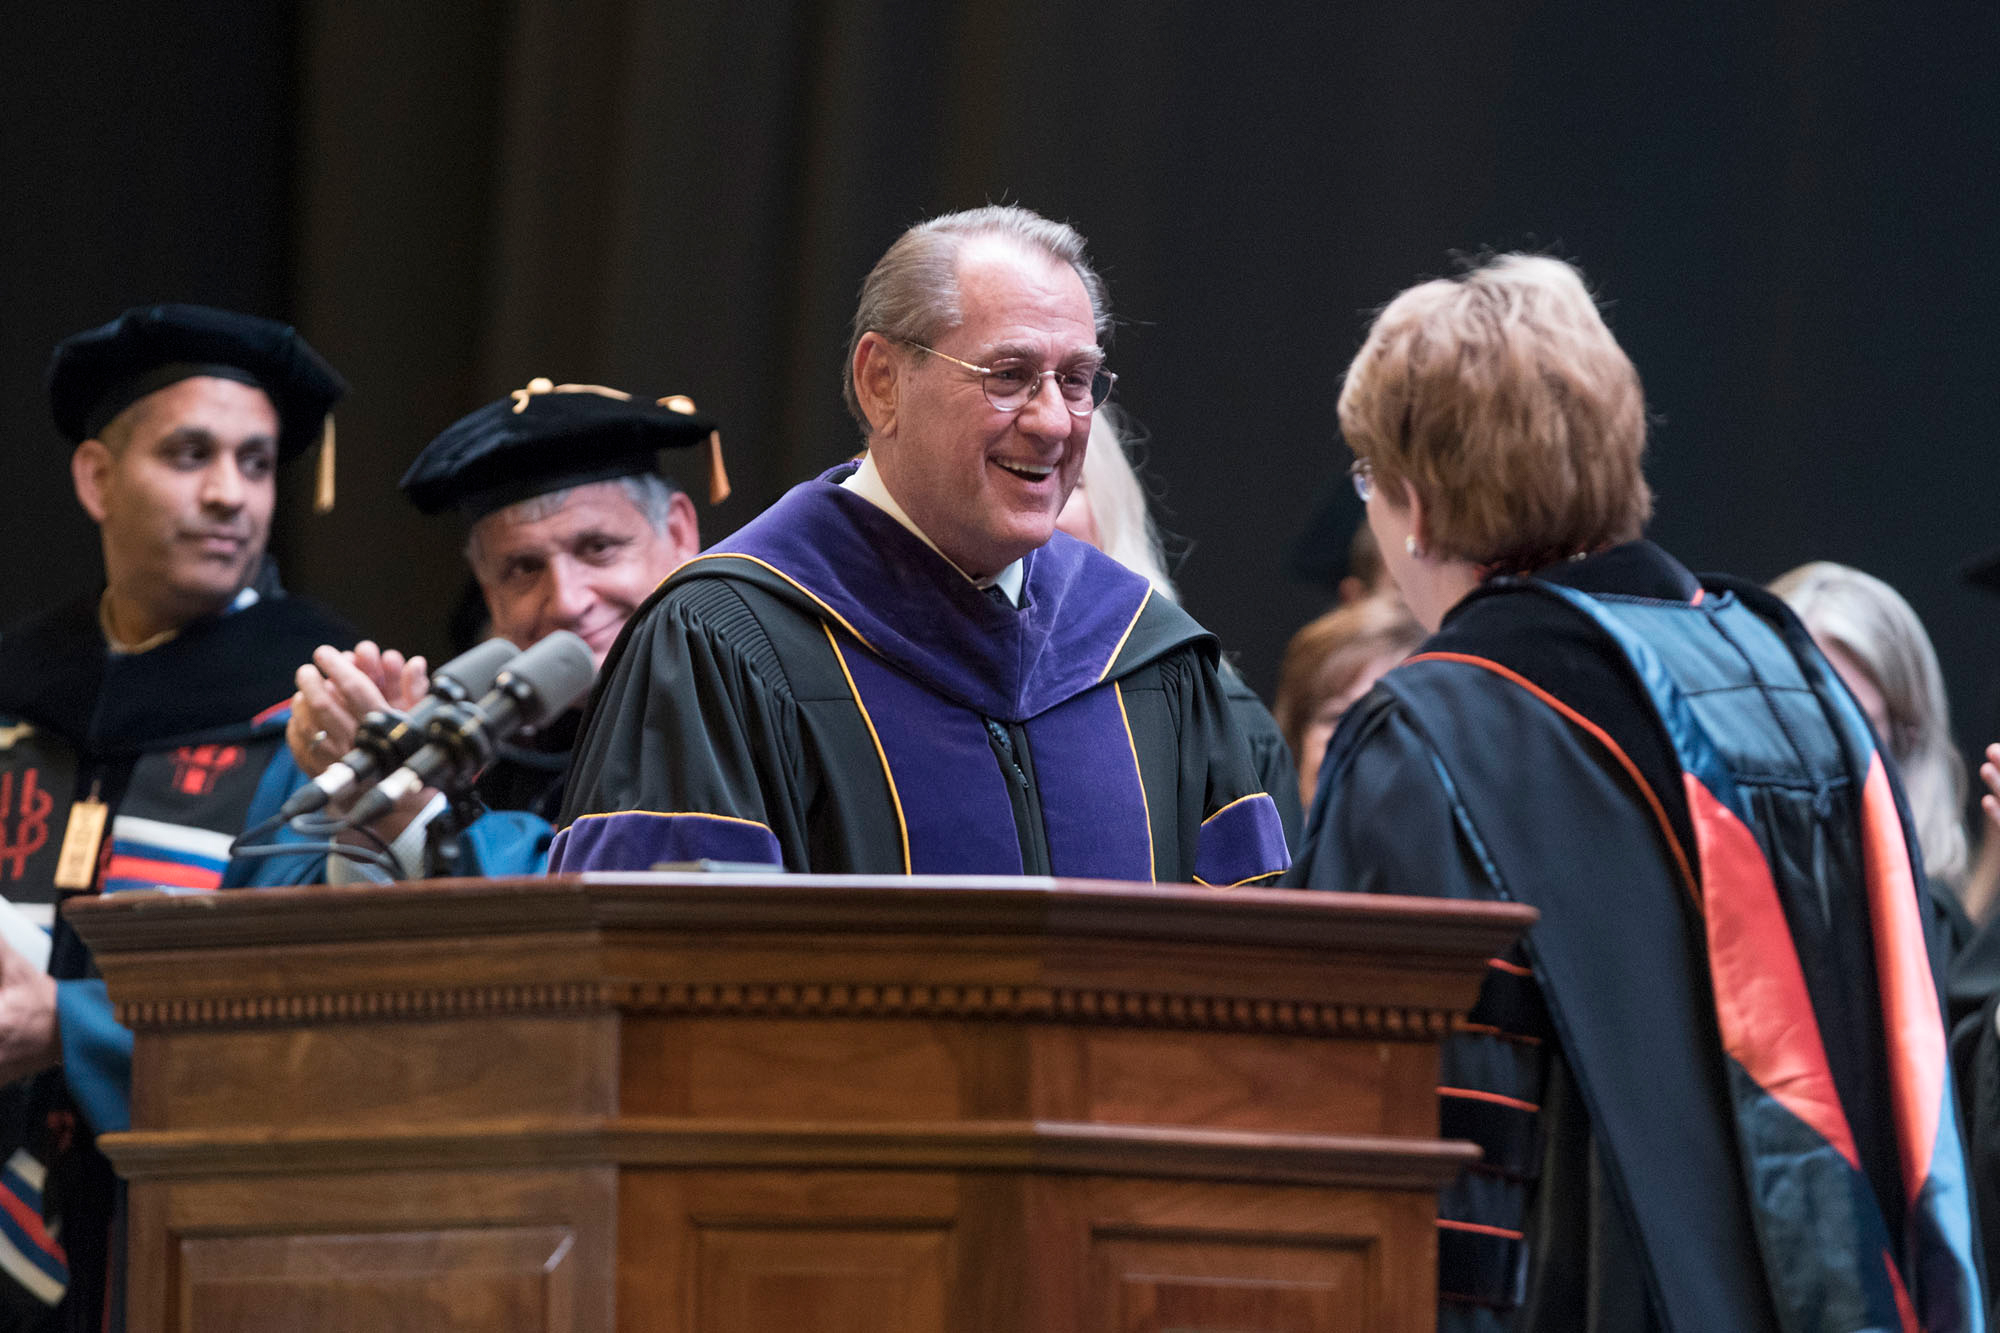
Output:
(1108, 509)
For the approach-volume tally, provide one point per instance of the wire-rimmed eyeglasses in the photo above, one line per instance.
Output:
(1012, 385)
(1362, 473)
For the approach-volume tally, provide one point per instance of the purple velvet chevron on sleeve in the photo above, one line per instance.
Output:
(1241, 843)
(642, 839)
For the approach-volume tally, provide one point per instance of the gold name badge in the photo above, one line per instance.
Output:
(76, 866)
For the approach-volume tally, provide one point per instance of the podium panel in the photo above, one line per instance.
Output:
(797, 1103)
(482, 1278)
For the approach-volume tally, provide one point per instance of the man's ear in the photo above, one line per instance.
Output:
(877, 382)
(683, 529)
(90, 469)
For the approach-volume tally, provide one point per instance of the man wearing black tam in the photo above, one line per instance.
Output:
(902, 666)
(571, 527)
(137, 728)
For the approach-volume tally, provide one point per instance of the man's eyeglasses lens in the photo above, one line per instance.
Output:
(1010, 387)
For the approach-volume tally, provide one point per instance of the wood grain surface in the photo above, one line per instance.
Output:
(801, 1103)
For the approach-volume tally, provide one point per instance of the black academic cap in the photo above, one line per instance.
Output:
(548, 437)
(1983, 571)
(99, 373)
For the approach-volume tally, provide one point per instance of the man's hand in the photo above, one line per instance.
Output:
(1989, 773)
(29, 1042)
(336, 690)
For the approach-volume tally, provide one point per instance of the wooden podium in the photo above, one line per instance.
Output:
(785, 1104)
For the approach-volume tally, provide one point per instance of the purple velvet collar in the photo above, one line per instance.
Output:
(854, 565)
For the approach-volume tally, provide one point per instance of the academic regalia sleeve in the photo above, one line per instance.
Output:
(690, 750)
(1237, 836)
(505, 842)
(96, 1055)
(1277, 771)
(1975, 1050)
(500, 842)
(1384, 820)
(282, 777)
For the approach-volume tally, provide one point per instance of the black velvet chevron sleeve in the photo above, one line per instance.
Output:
(1384, 820)
(691, 748)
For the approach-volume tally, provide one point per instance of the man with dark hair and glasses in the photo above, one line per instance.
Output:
(902, 667)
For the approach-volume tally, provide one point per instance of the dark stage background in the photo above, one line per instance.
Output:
(1789, 206)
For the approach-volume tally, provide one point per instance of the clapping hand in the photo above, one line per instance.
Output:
(337, 689)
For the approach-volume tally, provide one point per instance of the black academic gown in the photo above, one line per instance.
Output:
(1277, 770)
(1524, 753)
(527, 774)
(1975, 1050)
(824, 691)
(176, 742)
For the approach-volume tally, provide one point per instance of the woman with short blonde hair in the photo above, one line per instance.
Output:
(1500, 404)
(1683, 1079)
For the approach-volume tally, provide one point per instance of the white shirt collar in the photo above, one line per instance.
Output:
(866, 482)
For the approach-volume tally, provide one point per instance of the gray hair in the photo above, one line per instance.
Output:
(650, 493)
(1870, 621)
(912, 292)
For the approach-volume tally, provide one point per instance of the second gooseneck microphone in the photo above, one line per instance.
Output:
(533, 690)
(386, 739)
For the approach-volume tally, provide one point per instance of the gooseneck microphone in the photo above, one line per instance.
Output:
(533, 690)
(386, 739)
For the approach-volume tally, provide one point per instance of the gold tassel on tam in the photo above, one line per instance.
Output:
(718, 476)
(323, 480)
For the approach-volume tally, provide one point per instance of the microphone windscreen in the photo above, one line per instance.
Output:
(557, 671)
(474, 670)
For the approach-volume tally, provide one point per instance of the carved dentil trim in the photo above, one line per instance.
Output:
(1111, 1008)
(275, 1010)
(1050, 1003)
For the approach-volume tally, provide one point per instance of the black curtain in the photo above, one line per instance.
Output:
(144, 156)
(1785, 206)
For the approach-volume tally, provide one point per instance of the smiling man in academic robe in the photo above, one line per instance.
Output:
(902, 667)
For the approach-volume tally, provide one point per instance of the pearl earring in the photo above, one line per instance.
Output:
(1410, 547)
